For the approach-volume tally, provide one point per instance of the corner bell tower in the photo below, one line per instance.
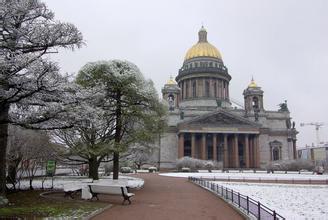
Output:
(253, 99)
(170, 93)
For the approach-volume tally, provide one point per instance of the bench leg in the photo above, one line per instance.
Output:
(126, 199)
(94, 195)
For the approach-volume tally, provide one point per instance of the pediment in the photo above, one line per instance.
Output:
(220, 118)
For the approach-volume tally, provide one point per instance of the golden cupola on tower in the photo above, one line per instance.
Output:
(202, 48)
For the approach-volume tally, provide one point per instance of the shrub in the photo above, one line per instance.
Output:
(108, 168)
(196, 164)
(126, 170)
(290, 165)
(152, 169)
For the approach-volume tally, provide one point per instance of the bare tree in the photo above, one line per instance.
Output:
(28, 152)
(32, 92)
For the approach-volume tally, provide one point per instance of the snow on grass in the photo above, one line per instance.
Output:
(291, 201)
(253, 176)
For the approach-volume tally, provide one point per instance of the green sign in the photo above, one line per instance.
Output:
(51, 167)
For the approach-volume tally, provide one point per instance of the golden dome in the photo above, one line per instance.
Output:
(203, 48)
(252, 84)
(171, 81)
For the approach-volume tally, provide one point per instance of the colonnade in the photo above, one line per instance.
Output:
(235, 150)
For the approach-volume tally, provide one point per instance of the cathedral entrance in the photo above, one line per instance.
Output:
(235, 150)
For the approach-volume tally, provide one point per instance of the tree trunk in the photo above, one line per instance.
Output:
(93, 168)
(116, 166)
(4, 110)
(118, 131)
(31, 181)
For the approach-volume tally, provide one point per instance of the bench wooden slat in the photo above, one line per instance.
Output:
(111, 190)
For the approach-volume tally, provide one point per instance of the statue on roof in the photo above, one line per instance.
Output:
(283, 107)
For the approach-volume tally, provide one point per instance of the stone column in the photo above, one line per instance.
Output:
(271, 153)
(294, 149)
(204, 87)
(246, 146)
(236, 153)
(215, 147)
(225, 151)
(219, 89)
(251, 151)
(193, 148)
(181, 145)
(184, 90)
(190, 88)
(203, 147)
(257, 152)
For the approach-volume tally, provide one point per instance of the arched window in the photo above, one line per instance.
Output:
(255, 103)
(207, 89)
(194, 89)
(275, 153)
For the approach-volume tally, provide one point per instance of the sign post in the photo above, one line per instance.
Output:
(51, 170)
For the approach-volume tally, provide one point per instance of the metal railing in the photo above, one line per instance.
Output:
(250, 205)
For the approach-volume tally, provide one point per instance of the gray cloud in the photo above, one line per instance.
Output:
(283, 44)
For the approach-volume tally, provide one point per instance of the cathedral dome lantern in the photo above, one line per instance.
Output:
(203, 48)
(203, 78)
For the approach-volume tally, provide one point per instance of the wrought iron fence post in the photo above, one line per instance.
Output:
(247, 204)
(239, 199)
(274, 215)
(258, 210)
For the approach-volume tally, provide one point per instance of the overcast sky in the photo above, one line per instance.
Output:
(283, 44)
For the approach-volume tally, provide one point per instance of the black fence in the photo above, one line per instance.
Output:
(250, 205)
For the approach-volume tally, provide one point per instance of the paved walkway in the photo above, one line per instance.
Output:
(169, 198)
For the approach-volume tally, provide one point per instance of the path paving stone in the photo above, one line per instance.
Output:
(169, 198)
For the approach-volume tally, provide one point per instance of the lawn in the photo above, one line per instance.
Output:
(29, 204)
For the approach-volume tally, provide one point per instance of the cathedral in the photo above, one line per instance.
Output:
(203, 123)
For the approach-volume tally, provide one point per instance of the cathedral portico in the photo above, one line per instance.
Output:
(234, 150)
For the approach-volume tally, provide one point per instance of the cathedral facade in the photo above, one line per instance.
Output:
(204, 125)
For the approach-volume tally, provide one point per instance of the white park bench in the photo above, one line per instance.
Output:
(72, 189)
(111, 190)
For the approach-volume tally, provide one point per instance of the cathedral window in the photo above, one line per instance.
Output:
(194, 89)
(255, 103)
(211, 64)
(207, 89)
(275, 153)
(187, 89)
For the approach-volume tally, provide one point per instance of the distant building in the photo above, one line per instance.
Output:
(203, 124)
(314, 153)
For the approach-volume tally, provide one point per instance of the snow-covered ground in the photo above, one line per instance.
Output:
(291, 201)
(254, 176)
(59, 182)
